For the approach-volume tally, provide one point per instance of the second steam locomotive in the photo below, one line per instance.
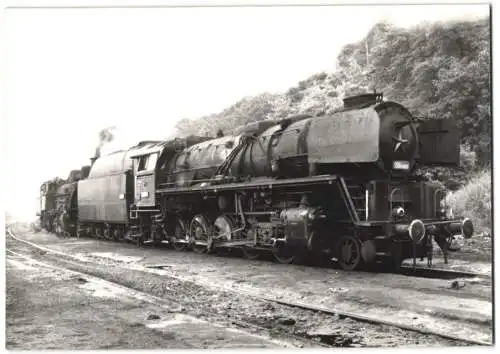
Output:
(341, 186)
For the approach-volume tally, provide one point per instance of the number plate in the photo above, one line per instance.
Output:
(401, 165)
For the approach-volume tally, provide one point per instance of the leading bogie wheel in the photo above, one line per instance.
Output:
(349, 252)
(107, 233)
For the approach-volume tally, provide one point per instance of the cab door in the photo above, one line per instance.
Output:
(439, 142)
(144, 169)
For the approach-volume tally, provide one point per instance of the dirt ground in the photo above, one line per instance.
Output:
(53, 309)
(429, 303)
(477, 248)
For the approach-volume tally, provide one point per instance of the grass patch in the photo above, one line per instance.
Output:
(473, 200)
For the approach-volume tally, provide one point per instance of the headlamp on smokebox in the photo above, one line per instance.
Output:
(398, 212)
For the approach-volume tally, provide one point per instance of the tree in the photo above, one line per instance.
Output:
(439, 70)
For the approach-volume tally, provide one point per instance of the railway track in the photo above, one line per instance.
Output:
(422, 272)
(438, 273)
(166, 302)
(307, 307)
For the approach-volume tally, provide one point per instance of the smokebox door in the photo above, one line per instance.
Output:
(439, 142)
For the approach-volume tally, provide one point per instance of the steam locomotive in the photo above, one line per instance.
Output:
(58, 199)
(342, 186)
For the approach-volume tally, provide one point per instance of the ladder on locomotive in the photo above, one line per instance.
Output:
(358, 196)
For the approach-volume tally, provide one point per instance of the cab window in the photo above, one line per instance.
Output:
(147, 162)
(141, 166)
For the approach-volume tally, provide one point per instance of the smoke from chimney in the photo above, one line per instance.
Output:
(105, 136)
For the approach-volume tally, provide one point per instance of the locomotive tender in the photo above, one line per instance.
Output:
(342, 186)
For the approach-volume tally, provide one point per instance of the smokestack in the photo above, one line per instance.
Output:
(363, 100)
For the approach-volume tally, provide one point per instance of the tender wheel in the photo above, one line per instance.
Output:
(117, 234)
(180, 233)
(107, 233)
(349, 253)
(285, 255)
(96, 231)
(199, 231)
(82, 231)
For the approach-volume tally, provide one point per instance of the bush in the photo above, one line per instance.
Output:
(320, 76)
(473, 200)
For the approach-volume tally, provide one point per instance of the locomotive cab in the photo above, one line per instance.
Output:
(144, 176)
(145, 157)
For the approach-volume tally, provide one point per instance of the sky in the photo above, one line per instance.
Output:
(72, 72)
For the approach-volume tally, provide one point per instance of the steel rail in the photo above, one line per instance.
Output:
(333, 312)
(445, 273)
(439, 273)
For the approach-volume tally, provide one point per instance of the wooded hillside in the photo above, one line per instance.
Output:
(438, 70)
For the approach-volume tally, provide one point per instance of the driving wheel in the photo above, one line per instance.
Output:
(180, 233)
(199, 232)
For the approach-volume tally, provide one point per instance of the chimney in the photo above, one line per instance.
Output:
(364, 100)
